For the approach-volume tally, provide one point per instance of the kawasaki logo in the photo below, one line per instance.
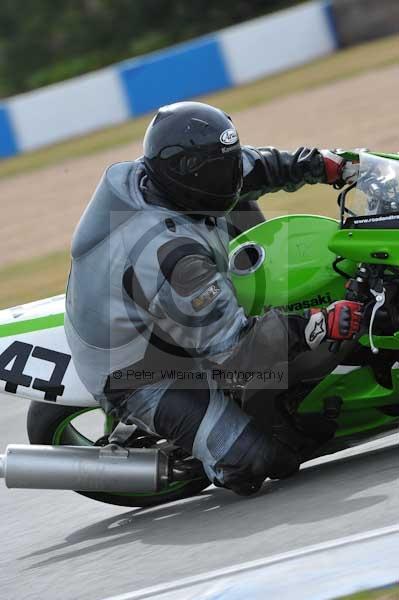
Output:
(316, 301)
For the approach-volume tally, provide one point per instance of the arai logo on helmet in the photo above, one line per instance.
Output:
(229, 137)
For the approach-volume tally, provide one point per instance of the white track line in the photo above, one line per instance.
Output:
(255, 564)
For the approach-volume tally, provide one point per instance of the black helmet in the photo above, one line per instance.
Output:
(193, 154)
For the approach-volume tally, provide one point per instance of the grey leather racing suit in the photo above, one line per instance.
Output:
(152, 319)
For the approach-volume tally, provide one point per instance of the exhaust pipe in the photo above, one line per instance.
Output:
(85, 468)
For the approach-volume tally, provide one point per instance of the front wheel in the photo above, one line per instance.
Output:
(54, 425)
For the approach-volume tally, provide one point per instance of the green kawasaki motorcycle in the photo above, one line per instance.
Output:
(293, 263)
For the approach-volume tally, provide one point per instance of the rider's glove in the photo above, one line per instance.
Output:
(338, 170)
(339, 321)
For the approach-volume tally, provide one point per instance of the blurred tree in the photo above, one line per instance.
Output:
(43, 41)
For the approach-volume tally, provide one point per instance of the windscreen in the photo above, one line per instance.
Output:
(377, 190)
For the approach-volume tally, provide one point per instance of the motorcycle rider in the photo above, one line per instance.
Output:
(149, 290)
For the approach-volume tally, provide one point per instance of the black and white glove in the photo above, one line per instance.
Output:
(338, 322)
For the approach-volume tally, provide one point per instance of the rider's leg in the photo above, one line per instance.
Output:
(305, 433)
(211, 427)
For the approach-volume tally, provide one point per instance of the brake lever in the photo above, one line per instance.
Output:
(379, 302)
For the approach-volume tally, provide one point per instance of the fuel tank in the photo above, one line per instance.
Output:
(285, 263)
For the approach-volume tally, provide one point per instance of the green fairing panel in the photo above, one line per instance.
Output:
(391, 155)
(361, 244)
(354, 154)
(383, 342)
(362, 399)
(29, 325)
(296, 272)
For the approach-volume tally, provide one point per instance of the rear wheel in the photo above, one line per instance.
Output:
(63, 425)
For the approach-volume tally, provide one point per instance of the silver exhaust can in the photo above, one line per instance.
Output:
(86, 469)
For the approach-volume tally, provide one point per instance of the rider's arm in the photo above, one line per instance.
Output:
(270, 170)
(197, 307)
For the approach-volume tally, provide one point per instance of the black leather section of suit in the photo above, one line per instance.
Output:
(171, 255)
(180, 412)
(249, 458)
(274, 170)
(192, 273)
(270, 339)
(245, 214)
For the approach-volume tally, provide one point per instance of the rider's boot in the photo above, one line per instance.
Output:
(301, 435)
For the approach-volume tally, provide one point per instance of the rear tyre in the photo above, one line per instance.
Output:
(50, 424)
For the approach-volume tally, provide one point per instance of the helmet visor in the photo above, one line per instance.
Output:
(219, 176)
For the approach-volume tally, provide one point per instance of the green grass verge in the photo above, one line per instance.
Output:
(343, 64)
(387, 593)
(34, 279)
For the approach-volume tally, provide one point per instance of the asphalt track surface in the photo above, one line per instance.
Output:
(60, 545)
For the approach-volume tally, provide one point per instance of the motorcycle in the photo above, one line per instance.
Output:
(291, 263)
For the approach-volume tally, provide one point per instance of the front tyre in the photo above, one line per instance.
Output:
(54, 425)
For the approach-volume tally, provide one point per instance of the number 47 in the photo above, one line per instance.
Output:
(18, 353)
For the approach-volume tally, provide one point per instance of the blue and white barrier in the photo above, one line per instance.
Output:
(184, 71)
(8, 140)
(70, 108)
(228, 58)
